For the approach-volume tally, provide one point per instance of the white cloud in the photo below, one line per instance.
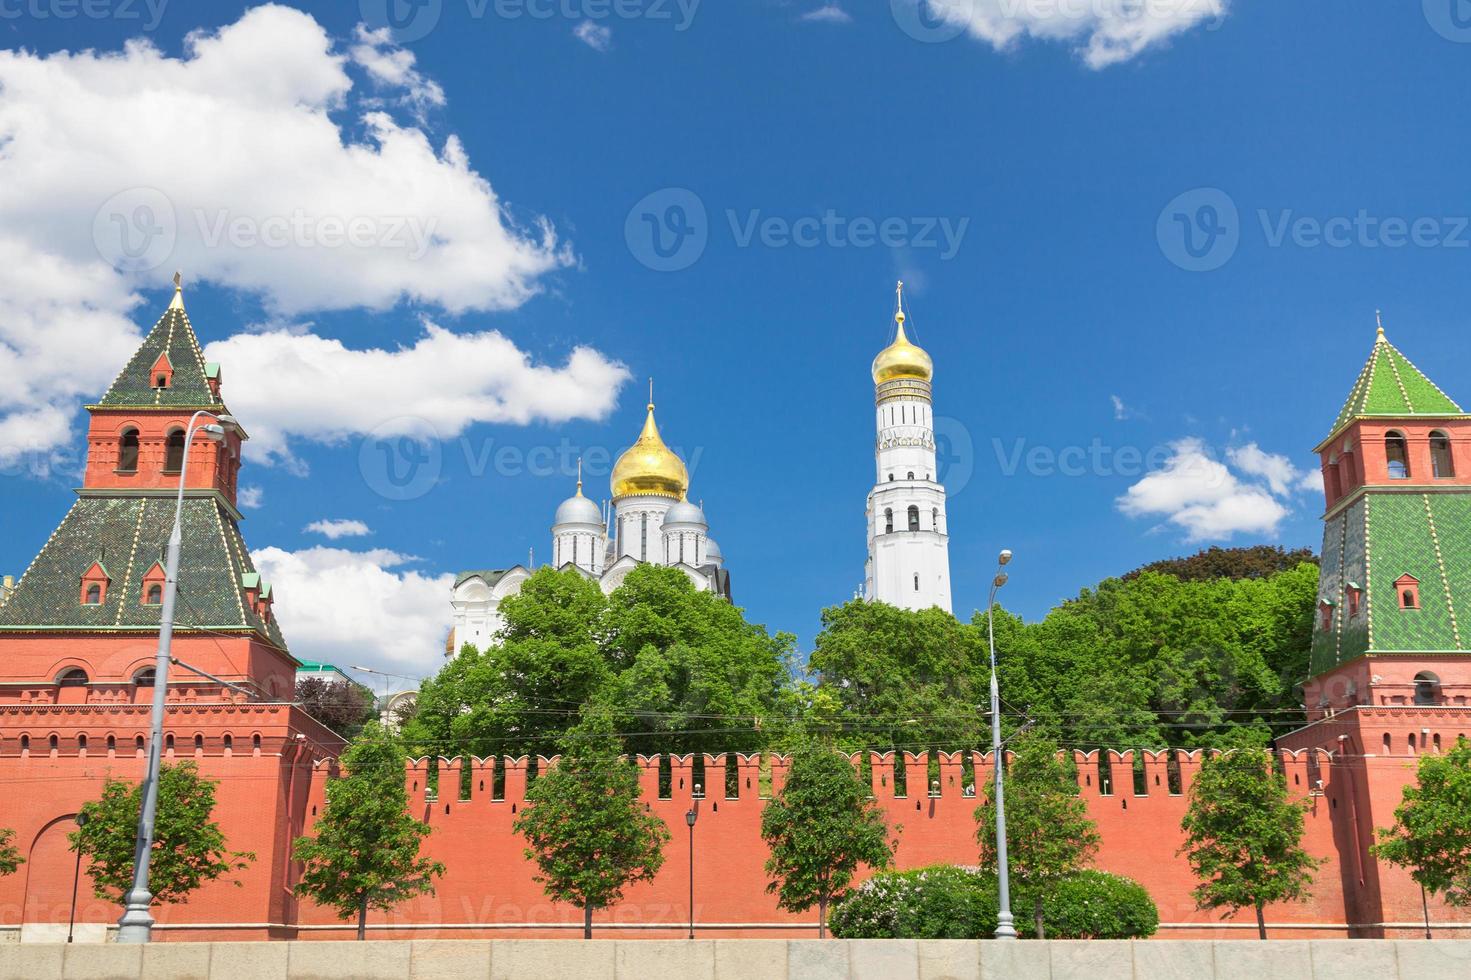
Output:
(827, 14)
(594, 35)
(359, 607)
(1200, 495)
(284, 385)
(338, 528)
(251, 498)
(1104, 32)
(393, 67)
(1120, 410)
(1279, 472)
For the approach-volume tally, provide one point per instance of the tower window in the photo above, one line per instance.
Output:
(888, 521)
(1353, 592)
(911, 474)
(76, 677)
(94, 595)
(154, 595)
(913, 518)
(145, 677)
(1407, 587)
(1396, 456)
(173, 457)
(935, 518)
(1427, 688)
(1441, 463)
(1325, 615)
(127, 455)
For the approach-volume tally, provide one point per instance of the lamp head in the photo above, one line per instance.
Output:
(215, 432)
(228, 421)
(1000, 579)
(1004, 557)
(690, 815)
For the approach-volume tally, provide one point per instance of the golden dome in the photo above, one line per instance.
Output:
(901, 359)
(650, 467)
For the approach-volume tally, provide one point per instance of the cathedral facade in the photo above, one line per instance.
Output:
(649, 520)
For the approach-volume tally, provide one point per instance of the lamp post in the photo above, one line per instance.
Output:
(1004, 927)
(136, 924)
(71, 922)
(690, 816)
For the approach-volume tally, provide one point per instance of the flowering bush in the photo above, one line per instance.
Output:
(949, 902)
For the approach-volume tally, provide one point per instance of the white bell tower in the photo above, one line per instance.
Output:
(908, 543)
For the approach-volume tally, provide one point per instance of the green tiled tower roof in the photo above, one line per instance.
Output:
(1390, 386)
(188, 386)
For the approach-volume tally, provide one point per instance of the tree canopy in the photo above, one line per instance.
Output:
(1431, 835)
(680, 668)
(1256, 561)
(342, 706)
(366, 850)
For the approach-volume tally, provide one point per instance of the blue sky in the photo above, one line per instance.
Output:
(1113, 393)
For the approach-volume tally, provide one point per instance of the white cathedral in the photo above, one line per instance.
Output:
(651, 520)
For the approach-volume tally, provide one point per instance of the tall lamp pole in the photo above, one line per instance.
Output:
(690, 816)
(136, 924)
(71, 922)
(1004, 927)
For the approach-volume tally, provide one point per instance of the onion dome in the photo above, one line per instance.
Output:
(901, 359)
(713, 554)
(685, 512)
(649, 467)
(577, 509)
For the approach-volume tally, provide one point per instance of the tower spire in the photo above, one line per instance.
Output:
(177, 303)
(1379, 320)
(899, 304)
(579, 476)
(651, 394)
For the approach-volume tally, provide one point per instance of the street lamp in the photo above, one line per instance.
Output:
(690, 816)
(1004, 927)
(71, 923)
(136, 924)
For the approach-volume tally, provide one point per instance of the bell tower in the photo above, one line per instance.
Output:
(908, 544)
(1393, 619)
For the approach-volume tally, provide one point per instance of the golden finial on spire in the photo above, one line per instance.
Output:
(651, 394)
(177, 303)
(899, 303)
(579, 476)
(1379, 319)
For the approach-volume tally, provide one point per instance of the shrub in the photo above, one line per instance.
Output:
(949, 902)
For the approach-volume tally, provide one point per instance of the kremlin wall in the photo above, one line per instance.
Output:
(78, 634)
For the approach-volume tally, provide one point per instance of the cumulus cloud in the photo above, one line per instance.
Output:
(1205, 498)
(827, 14)
(338, 528)
(359, 607)
(1103, 32)
(251, 498)
(253, 161)
(594, 35)
(288, 385)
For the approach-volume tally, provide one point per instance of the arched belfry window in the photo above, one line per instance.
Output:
(1427, 688)
(173, 457)
(916, 581)
(888, 521)
(913, 518)
(127, 453)
(76, 677)
(94, 595)
(1396, 456)
(1441, 464)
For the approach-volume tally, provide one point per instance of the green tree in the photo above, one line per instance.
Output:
(1049, 835)
(584, 824)
(1256, 561)
(10, 858)
(342, 706)
(366, 852)
(902, 678)
(820, 827)
(188, 846)
(1243, 836)
(1431, 835)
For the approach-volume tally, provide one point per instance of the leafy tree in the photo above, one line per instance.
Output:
(1431, 836)
(584, 825)
(1049, 835)
(1257, 561)
(1243, 836)
(820, 826)
(366, 852)
(10, 858)
(341, 706)
(679, 665)
(188, 846)
(902, 678)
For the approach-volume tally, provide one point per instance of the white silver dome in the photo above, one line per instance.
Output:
(685, 512)
(712, 552)
(578, 510)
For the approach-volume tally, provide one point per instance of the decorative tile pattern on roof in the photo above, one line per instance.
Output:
(1390, 385)
(172, 335)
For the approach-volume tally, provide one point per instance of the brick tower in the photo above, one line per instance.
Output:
(78, 638)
